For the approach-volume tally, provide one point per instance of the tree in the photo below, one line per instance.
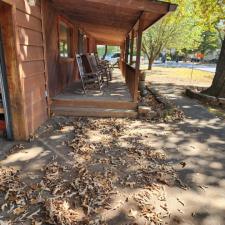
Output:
(212, 17)
(218, 85)
(106, 51)
(210, 42)
(174, 31)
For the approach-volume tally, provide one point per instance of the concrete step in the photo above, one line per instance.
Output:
(94, 112)
(86, 103)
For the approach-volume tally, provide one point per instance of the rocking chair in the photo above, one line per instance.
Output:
(95, 67)
(88, 78)
(105, 65)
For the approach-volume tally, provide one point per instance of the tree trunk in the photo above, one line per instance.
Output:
(150, 62)
(217, 88)
(106, 51)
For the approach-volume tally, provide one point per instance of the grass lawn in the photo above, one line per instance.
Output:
(180, 76)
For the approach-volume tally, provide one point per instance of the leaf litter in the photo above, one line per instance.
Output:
(84, 191)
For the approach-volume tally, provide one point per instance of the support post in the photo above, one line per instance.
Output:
(132, 47)
(138, 58)
(127, 49)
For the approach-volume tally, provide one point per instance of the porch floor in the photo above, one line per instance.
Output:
(113, 101)
(116, 91)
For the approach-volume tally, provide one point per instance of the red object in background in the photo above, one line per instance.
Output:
(200, 55)
(2, 125)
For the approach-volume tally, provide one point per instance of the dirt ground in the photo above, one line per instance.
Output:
(118, 171)
(99, 171)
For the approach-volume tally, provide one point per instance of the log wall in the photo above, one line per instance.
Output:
(34, 69)
(32, 63)
(61, 71)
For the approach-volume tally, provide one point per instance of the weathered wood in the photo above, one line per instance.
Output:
(130, 77)
(61, 71)
(93, 103)
(30, 53)
(98, 14)
(29, 37)
(32, 68)
(127, 43)
(10, 2)
(26, 8)
(32, 64)
(47, 97)
(93, 112)
(7, 21)
(28, 21)
(142, 5)
(131, 47)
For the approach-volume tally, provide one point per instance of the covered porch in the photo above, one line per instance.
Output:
(114, 100)
(100, 25)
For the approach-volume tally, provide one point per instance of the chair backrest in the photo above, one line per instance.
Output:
(97, 58)
(80, 65)
(92, 62)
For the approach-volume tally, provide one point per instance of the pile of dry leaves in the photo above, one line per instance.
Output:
(103, 176)
(161, 109)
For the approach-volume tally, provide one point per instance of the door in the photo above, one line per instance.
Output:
(4, 95)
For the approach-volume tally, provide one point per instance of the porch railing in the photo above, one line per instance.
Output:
(130, 76)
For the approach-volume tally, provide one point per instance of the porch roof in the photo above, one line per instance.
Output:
(109, 21)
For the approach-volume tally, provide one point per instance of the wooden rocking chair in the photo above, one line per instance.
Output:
(95, 67)
(88, 78)
(105, 65)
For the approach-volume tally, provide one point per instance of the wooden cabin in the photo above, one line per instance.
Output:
(40, 39)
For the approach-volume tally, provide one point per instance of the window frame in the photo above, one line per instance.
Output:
(68, 25)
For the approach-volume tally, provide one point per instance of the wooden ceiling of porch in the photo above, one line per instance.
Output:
(109, 21)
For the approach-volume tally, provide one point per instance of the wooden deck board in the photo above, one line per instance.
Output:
(116, 91)
(114, 101)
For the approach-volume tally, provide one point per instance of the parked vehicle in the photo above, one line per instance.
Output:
(113, 58)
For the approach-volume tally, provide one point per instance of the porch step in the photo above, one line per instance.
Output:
(94, 112)
(91, 103)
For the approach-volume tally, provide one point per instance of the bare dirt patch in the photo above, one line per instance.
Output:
(103, 173)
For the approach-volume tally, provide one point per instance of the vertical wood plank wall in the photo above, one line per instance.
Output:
(13, 78)
(61, 71)
(32, 65)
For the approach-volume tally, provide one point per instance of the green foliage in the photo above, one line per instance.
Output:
(209, 42)
(210, 13)
(196, 25)
(111, 50)
(177, 30)
(211, 16)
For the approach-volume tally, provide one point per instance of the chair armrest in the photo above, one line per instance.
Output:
(89, 74)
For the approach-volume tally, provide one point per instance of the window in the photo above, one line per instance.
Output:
(65, 32)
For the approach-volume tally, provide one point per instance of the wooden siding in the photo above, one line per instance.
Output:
(13, 78)
(32, 65)
(62, 71)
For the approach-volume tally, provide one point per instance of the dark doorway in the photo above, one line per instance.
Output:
(5, 114)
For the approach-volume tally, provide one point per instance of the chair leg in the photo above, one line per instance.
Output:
(107, 78)
(83, 85)
(110, 74)
(99, 84)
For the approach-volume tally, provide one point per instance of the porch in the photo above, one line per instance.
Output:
(115, 100)
(42, 39)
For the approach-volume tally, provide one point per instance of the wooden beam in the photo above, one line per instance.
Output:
(10, 2)
(141, 5)
(10, 35)
(127, 42)
(45, 59)
(138, 56)
(131, 47)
